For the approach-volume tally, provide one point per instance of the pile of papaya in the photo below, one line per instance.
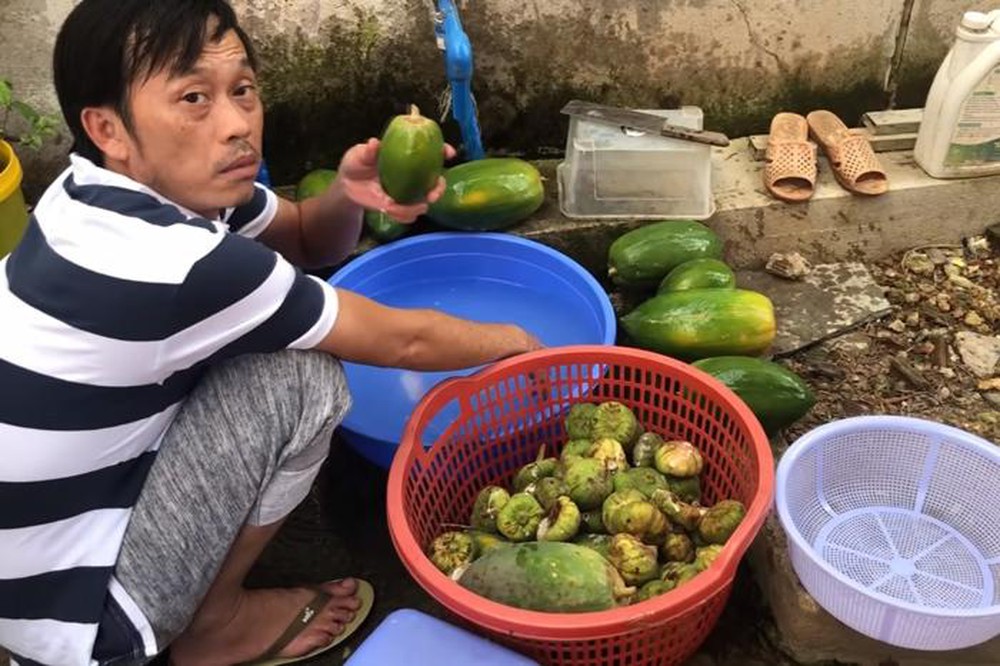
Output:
(700, 315)
(615, 517)
(482, 195)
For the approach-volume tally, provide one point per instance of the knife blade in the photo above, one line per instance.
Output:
(643, 122)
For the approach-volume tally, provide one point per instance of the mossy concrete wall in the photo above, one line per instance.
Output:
(335, 70)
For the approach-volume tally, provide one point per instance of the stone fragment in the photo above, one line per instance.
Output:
(918, 263)
(979, 353)
(791, 265)
(973, 319)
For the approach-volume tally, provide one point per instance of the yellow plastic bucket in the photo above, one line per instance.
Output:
(13, 212)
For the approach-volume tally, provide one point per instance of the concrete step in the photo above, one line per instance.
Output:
(833, 226)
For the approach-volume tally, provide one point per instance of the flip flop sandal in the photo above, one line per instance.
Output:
(852, 159)
(365, 594)
(790, 174)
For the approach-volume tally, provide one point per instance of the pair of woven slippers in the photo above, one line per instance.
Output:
(364, 593)
(790, 174)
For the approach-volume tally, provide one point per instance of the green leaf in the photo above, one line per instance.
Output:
(6, 94)
(27, 112)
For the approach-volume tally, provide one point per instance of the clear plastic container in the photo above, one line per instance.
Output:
(612, 172)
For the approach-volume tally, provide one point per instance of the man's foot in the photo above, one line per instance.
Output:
(244, 632)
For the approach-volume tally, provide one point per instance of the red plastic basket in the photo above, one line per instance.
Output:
(494, 423)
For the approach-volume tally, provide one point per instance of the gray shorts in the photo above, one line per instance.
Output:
(245, 448)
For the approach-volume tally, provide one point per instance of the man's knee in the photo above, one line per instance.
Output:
(291, 380)
(281, 401)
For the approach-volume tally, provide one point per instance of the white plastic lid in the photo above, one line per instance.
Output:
(976, 21)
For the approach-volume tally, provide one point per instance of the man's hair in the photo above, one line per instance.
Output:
(107, 46)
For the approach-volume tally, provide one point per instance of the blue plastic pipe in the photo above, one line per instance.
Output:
(458, 67)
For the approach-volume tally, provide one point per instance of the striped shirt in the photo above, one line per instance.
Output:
(110, 309)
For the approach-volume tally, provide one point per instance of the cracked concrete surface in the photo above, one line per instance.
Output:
(739, 61)
(754, 39)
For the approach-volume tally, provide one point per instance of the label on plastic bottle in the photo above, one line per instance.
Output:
(977, 136)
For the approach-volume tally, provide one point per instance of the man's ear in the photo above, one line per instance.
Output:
(105, 128)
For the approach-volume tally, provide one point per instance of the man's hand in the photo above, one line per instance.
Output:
(358, 176)
(519, 341)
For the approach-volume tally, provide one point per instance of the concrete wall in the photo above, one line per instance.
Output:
(335, 70)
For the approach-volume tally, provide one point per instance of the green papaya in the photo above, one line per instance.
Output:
(410, 157)
(642, 257)
(488, 194)
(382, 227)
(777, 396)
(699, 274)
(314, 183)
(699, 323)
(547, 576)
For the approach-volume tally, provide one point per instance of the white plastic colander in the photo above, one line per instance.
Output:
(893, 526)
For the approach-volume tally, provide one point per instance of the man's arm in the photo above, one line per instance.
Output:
(373, 334)
(322, 231)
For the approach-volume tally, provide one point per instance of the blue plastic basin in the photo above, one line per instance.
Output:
(484, 277)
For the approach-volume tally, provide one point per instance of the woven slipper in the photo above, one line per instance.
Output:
(790, 174)
(364, 593)
(852, 159)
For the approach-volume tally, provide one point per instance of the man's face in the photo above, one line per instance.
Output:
(196, 136)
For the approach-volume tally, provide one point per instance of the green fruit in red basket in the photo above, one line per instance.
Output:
(575, 448)
(645, 448)
(706, 555)
(642, 258)
(609, 452)
(679, 573)
(643, 479)
(561, 523)
(599, 543)
(488, 194)
(678, 459)
(545, 576)
(629, 512)
(699, 274)
(616, 500)
(592, 522)
(613, 420)
(588, 481)
(721, 520)
(580, 421)
(777, 396)
(519, 518)
(635, 561)
(699, 323)
(488, 503)
(684, 515)
(547, 491)
(654, 588)
(451, 551)
(677, 547)
(410, 157)
(532, 472)
(686, 489)
(486, 541)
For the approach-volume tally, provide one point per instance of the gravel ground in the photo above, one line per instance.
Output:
(930, 358)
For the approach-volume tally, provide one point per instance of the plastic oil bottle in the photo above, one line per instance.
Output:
(959, 135)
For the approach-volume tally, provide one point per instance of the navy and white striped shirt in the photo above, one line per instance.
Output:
(110, 309)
